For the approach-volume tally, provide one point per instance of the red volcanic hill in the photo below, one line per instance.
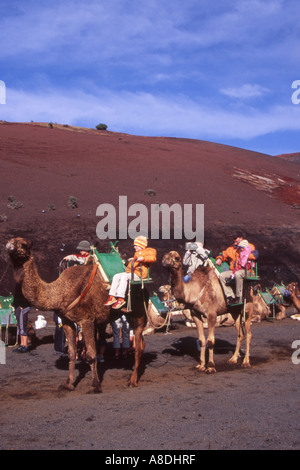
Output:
(43, 165)
(291, 157)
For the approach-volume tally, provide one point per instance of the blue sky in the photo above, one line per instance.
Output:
(220, 71)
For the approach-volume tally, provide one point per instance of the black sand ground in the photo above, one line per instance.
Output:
(174, 407)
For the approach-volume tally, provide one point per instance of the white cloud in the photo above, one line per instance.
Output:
(160, 115)
(245, 91)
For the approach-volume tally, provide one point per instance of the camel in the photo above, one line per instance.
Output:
(76, 299)
(204, 296)
(295, 294)
(260, 310)
(280, 309)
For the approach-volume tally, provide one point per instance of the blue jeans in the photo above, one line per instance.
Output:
(22, 319)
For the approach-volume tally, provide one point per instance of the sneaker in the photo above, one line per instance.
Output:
(110, 301)
(100, 359)
(23, 349)
(119, 303)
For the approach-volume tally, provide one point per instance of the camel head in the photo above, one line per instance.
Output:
(19, 250)
(254, 290)
(172, 261)
(165, 289)
(292, 287)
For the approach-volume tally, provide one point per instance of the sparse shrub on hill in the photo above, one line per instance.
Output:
(13, 203)
(150, 192)
(72, 202)
(101, 127)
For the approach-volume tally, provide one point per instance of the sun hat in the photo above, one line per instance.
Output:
(141, 242)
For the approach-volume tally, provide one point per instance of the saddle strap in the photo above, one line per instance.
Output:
(85, 291)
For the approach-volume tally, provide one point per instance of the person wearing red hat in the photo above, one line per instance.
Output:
(143, 257)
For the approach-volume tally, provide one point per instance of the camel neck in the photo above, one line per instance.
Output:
(177, 283)
(38, 293)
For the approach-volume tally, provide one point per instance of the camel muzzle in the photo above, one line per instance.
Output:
(9, 246)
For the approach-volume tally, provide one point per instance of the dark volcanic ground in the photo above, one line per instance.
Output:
(174, 407)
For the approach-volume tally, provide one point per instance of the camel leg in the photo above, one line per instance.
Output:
(70, 332)
(211, 368)
(201, 336)
(240, 337)
(88, 332)
(246, 361)
(139, 349)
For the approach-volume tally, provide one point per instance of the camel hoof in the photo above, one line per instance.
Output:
(132, 382)
(210, 370)
(96, 388)
(246, 365)
(232, 361)
(200, 368)
(67, 386)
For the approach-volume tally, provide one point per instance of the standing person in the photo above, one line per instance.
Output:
(100, 338)
(236, 272)
(59, 336)
(118, 326)
(22, 308)
(143, 256)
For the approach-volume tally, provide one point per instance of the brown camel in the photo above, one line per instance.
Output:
(295, 294)
(261, 310)
(203, 294)
(70, 297)
(280, 309)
